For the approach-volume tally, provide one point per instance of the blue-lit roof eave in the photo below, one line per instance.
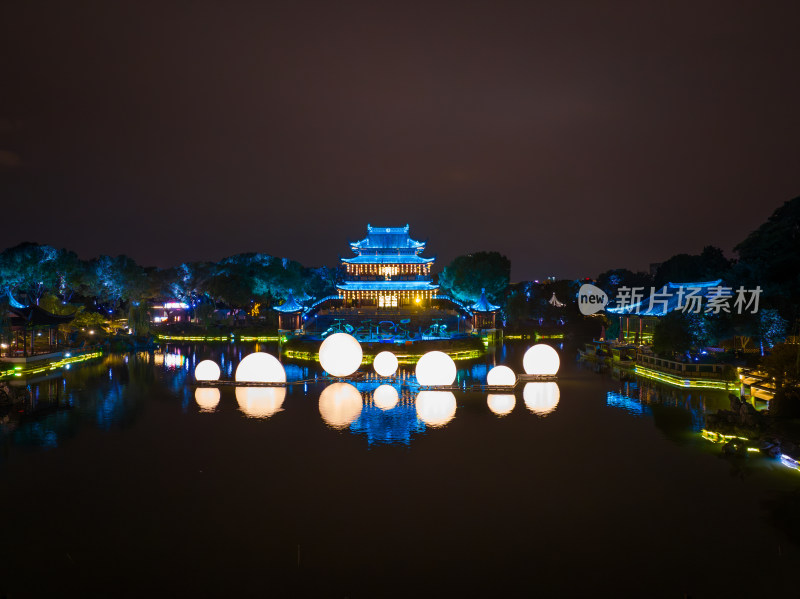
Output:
(289, 306)
(483, 304)
(364, 244)
(387, 286)
(289, 310)
(717, 283)
(643, 308)
(388, 259)
(484, 308)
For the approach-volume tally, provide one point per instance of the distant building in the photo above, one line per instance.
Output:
(169, 311)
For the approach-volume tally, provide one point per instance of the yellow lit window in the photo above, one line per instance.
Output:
(387, 301)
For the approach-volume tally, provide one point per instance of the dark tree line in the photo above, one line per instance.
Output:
(768, 258)
(62, 282)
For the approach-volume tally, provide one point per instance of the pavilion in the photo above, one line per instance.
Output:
(637, 320)
(290, 314)
(24, 318)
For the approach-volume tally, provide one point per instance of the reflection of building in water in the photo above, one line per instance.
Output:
(381, 423)
(623, 402)
(645, 397)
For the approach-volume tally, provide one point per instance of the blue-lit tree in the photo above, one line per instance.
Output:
(28, 269)
(466, 276)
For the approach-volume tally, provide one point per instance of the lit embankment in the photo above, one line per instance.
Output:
(44, 366)
(672, 379)
(231, 337)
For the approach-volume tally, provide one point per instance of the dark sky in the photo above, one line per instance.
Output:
(572, 137)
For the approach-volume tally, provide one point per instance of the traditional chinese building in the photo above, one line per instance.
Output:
(639, 310)
(388, 271)
(290, 314)
(484, 313)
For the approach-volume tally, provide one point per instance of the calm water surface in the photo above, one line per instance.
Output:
(125, 482)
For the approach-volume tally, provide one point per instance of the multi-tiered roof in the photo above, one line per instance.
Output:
(387, 245)
(388, 264)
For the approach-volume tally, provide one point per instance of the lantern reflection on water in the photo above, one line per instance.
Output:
(501, 404)
(260, 402)
(541, 398)
(385, 397)
(340, 404)
(207, 398)
(436, 408)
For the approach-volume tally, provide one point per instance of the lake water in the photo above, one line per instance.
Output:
(122, 484)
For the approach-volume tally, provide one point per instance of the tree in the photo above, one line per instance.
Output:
(72, 276)
(139, 319)
(672, 334)
(709, 265)
(771, 327)
(783, 365)
(517, 308)
(611, 280)
(118, 279)
(27, 269)
(465, 276)
(320, 282)
(770, 257)
(231, 290)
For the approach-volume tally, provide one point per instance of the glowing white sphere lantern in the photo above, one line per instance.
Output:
(339, 404)
(207, 398)
(340, 355)
(385, 364)
(541, 398)
(436, 369)
(207, 370)
(385, 397)
(501, 404)
(260, 367)
(436, 408)
(542, 360)
(501, 376)
(260, 402)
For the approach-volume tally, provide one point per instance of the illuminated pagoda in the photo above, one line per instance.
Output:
(387, 271)
(484, 313)
(289, 314)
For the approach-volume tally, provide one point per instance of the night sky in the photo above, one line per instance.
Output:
(572, 137)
